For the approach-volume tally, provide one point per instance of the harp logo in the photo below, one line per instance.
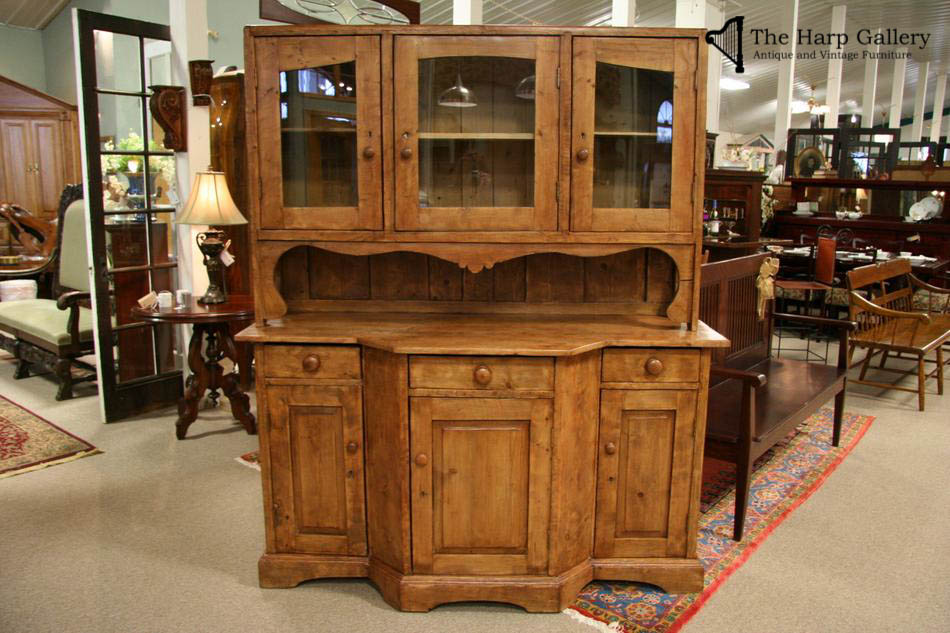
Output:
(728, 40)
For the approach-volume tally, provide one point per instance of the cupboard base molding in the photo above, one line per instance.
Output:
(673, 575)
(283, 571)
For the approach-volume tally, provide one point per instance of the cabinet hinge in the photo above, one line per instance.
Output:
(558, 77)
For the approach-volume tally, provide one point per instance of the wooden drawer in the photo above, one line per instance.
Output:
(650, 365)
(506, 373)
(311, 361)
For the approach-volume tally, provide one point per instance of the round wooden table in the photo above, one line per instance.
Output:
(213, 323)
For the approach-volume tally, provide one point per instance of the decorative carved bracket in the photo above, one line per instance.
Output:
(167, 105)
(200, 74)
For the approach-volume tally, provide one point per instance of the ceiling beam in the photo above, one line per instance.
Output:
(920, 102)
(870, 86)
(835, 65)
(786, 75)
(623, 13)
(467, 12)
(897, 88)
(939, 97)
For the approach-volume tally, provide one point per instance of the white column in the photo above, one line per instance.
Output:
(623, 12)
(870, 86)
(188, 20)
(714, 18)
(897, 89)
(786, 74)
(690, 14)
(833, 92)
(939, 96)
(467, 12)
(920, 100)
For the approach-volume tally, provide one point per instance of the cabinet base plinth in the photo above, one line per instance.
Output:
(673, 575)
(289, 570)
(536, 594)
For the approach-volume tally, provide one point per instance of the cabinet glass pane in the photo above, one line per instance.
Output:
(476, 132)
(633, 138)
(318, 136)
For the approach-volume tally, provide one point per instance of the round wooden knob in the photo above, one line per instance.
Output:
(311, 363)
(352, 447)
(421, 459)
(482, 375)
(582, 155)
(610, 448)
(369, 152)
(406, 153)
(654, 366)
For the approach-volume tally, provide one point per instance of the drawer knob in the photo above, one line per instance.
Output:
(654, 366)
(406, 153)
(368, 153)
(352, 447)
(582, 155)
(610, 448)
(482, 375)
(421, 459)
(311, 363)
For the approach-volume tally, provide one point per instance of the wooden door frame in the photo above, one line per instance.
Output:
(543, 214)
(676, 56)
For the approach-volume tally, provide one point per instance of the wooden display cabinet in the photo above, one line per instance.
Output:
(475, 279)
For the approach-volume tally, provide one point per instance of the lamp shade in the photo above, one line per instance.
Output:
(210, 202)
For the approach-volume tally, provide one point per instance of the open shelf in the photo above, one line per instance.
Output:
(622, 133)
(478, 136)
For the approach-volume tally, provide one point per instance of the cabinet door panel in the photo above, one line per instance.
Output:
(48, 156)
(480, 484)
(17, 161)
(321, 97)
(643, 473)
(476, 133)
(633, 147)
(316, 452)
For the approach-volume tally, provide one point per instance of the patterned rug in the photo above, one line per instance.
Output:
(785, 477)
(28, 442)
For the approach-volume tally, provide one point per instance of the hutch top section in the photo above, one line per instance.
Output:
(477, 134)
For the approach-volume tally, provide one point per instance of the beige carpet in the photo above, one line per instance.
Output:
(161, 535)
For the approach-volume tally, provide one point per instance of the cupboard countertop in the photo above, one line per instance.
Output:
(480, 334)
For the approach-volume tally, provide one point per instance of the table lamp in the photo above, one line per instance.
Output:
(210, 203)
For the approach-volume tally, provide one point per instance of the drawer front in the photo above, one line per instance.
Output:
(503, 373)
(311, 362)
(650, 365)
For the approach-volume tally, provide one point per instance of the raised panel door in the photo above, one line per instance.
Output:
(49, 154)
(316, 468)
(633, 153)
(643, 473)
(476, 124)
(318, 101)
(480, 485)
(18, 163)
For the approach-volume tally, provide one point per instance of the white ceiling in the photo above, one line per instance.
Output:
(753, 110)
(30, 14)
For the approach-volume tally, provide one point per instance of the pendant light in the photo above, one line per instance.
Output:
(458, 96)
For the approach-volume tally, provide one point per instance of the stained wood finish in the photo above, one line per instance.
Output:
(313, 362)
(481, 372)
(480, 478)
(643, 473)
(651, 365)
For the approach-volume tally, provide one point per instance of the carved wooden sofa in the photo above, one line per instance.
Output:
(54, 333)
(892, 319)
(775, 394)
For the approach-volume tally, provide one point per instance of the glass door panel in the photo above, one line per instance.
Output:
(324, 94)
(634, 135)
(475, 115)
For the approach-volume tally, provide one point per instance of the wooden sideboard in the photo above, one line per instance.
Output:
(481, 374)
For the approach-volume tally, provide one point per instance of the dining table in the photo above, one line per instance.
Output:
(925, 268)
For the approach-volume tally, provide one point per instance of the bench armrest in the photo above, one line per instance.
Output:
(923, 284)
(844, 324)
(749, 377)
(70, 301)
(873, 308)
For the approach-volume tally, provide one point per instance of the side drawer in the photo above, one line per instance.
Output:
(312, 361)
(632, 364)
(506, 373)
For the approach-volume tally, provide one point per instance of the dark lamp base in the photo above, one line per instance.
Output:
(211, 243)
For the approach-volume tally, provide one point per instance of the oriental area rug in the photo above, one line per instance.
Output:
(784, 478)
(28, 442)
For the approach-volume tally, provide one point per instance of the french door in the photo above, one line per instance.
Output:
(131, 193)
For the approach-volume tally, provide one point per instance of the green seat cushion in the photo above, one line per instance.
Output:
(42, 319)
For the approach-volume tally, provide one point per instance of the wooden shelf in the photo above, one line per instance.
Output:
(478, 136)
(611, 133)
(482, 334)
(334, 130)
(857, 183)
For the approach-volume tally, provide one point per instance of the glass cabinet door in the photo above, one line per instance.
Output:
(634, 134)
(321, 97)
(476, 128)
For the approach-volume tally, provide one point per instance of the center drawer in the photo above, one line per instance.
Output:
(650, 365)
(506, 373)
(312, 361)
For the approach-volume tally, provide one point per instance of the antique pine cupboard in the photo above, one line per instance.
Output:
(481, 375)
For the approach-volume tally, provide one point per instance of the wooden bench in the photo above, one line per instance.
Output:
(776, 394)
(883, 306)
